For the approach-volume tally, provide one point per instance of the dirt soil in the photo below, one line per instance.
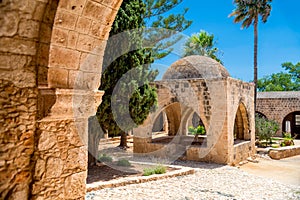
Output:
(102, 172)
(286, 170)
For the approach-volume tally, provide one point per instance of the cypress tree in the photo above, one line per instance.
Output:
(133, 94)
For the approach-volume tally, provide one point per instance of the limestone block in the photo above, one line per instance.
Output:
(83, 25)
(9, 23)
(75, 185)
(94, 10)
(72, 39)
(77, 134)
(18, 46)
(54, 167)
(85, 43)
(99, 30)
(46, 141)
(64, 58)
(91, 63)
(29, 28)
(75, 79)
(77, 159)
(21, 78)
(65, 20)
(58, 78)
(59, 36)
(91, 81)
(75, 6)
(113, 4)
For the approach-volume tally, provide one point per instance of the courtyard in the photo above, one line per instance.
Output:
(263, 179)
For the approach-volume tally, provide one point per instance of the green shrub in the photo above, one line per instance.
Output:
(104, 158)
(265, 129)
(159, 169)
(123, 162)
(148, 171)
(199, 130)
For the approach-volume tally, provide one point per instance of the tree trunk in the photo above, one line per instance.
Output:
(123, 141)
(94, 135)
(255, 59)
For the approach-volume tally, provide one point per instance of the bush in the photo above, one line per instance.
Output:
(124, 163)
(199, 130)
(265, 129)
(104, 158)
(160, 169)
(148, 172)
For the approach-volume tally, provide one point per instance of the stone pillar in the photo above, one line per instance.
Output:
(61, 146)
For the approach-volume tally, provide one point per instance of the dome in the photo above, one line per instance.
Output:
(195, 66)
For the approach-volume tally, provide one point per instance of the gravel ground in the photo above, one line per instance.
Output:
(211, 181)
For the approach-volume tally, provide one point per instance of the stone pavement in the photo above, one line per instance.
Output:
(211, 181)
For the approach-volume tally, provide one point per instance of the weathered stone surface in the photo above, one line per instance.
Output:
(39, 48)
(17, 46)
(58, 78)
(64, 58)
(75, 185)
(16, 139)
(29, 29)
(54, 167)
(9, 23)
(65, 20)
(47, 141)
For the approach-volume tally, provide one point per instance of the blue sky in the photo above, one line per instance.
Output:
(278, 39)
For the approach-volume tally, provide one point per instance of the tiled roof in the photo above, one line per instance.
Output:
(277, 95)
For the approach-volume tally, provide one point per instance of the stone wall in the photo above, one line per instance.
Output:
(240, 95)
(277, 105)
(17, 128)
(46, 45)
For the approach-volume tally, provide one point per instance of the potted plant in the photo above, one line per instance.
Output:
(287, 140)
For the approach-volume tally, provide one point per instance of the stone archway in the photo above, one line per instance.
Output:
(291, 124)
(241, 124)
(51, 52)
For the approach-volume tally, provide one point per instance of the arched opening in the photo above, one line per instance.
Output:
(260, 114)
(160, 123)
(195, 121)
(291, 124)
(166, 124)
(241, 125)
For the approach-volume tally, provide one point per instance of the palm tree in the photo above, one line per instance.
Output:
(248, 12)
(201, 43)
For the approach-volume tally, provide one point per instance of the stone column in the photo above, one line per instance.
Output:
(61, 146)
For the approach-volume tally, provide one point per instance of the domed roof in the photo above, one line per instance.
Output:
(195, 66)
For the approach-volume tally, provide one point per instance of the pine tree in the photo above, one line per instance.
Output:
(167, 24)
(134, 86)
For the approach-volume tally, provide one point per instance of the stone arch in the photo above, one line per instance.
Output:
(260, 114)
(241, 124)
(53, 54)
(293, 119)
(78, 38)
